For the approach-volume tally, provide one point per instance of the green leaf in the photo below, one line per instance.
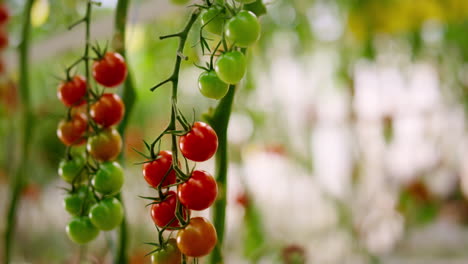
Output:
(257, 7)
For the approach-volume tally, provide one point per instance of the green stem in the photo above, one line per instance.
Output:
(129, 97)
(28, 120)
(219, 121)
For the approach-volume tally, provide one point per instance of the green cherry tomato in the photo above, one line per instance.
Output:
(213, 20)
(79, 202)
(107, 214)
(167, 255)
(243, 29)
(211, 86)
(81, 231)
(230, 67)
(69, 169)
(109, 178)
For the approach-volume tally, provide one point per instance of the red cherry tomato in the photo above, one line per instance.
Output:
(198, 238)
(71, 132)
(154, 171)
(3, 39)
(163, 212)
(200, 143)
(110, 70)
(106, 145)
(4, 14)
(199, 192)
(108, 110)
(72, 92)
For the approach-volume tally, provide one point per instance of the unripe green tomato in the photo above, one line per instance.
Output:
(246, 1)
(230, 67)
(169, 255)
(211, 86)
(107, 214)
(69, 169)
(81, 231)
(180, 2)
(243, 29)
(213, 20)
(79, 202)
(109, 178)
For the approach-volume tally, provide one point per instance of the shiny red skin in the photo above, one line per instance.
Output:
(154, 171)
(110, 70)
(163, 212)
(108, 110)
(71, 132)
(199, 192)
(4, 14)
(72, 92)
(200, 144)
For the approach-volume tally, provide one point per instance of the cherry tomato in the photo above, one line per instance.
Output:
(110, 70)
(109, 179)
(200, 143)
(213, 20)
(78, 203)
(198, 238)
(154, 171)
(170, 254)
(230, 67)
(163, 212)
(106, 145)
(199, 192)
(80, 230)
(108, 110)
(71, 169)
(3, 39)
(243, 29)
(107, 214)
(211, 86)
(4, 13)
(71, 132)
(72, 92)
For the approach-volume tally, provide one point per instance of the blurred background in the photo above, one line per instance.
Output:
(348, 138)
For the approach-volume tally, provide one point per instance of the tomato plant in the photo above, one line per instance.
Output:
(168, 254)
(155, 170)
(211, 86)
(200, 143)
(109, 178)
(230, 67)
(73, 91)
(212, 20)
(107, 214)
(108, 110)
(81, 231)
(162, 213)
(110, 70)
(71, 132)
(243, 29)
(198, 238)
(105, 145)
(199, 191)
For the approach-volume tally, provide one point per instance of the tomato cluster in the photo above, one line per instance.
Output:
(94, 177)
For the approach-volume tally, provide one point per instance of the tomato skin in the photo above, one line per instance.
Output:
(213, 20)
(200, 143)
(211, 86)
(109, 179)
(168, 255)
(108, 110)
(110, 70)
(105, 145)
(199, 191)
(71, 132)
(162, 213)
(198, 238)
(154, 171)
(230, 67)
(4, 14)
(243, 29)
(72, 92)
(69, 169)
(79, 202)
(107, 214)
(81, 231)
